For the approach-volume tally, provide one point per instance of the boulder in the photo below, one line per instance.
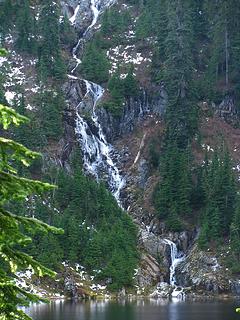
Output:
(162, 290)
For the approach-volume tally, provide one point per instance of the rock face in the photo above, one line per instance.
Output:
(159, 251)
(133, 112)
(163, 290)
(199, 270)
(203, 273)
(227, 109)
(82, 11)
(74, 91)
(149, 272)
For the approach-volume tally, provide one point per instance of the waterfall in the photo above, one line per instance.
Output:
(97, 152)
(96, 9)
(176, 258)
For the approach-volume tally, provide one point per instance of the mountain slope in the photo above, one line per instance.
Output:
(133, 85)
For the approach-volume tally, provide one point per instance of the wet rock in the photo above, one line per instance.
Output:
(134, 111)
(149, 272)
(163, 290)
(227, 110)
(184, 240)
(84, 14)
(235, 287)
(70, 287)
(122, 293)
(142, 169)
(202, 271)
(155, 246)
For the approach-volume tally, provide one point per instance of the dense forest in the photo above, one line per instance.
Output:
(195, 47)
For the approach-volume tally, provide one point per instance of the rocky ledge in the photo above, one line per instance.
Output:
(204, 274)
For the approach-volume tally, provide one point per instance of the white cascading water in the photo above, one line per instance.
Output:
(176, 258)
(95, 7)
(97, 152)
(95, 12)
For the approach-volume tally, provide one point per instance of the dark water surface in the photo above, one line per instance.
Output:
(137, 310)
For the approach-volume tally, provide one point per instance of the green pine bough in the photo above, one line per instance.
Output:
(13, 228)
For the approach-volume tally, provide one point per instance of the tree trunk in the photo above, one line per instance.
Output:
(226, 56)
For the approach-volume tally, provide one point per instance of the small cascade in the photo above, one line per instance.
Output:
(95, 12)
(96, 9)
(176, 258)
(97, 152)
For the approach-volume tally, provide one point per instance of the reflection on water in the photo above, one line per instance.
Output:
(135, 310)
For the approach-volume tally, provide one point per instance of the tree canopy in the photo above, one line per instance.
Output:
(16, 230)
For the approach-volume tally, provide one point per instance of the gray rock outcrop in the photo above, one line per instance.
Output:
(134, 111)
(202, 271)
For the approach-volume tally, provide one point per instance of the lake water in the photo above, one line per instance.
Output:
(137, 310)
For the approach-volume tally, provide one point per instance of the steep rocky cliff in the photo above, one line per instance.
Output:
(115, 149)
(131, 133)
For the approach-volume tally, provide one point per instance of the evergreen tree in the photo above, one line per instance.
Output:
(50, 57)
(50, 107)
(26, 40)
(203, 239)
(28, 134)
(13, 234)
(49, 243)
(67, 34)
(224, 21)
(95, 65)
(235, 234)
(130, 84)
(6, 16)
(178, 75)
(220, 194)
(172, 195)
(114, 22)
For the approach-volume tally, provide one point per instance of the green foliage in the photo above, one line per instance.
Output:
(7, 11)
(173, 222)
(119, 90)
(115, 22)
(130, 84)
(116, 90)
(50, 107)
(203, 239)
(15, 229)
(26, 40)
(152, 21)
(172, 195)
(154, 153)
(67, 34)
(10, 116)
(234, 263)
(96, 230)
(95, 65)
(50, 62)
(178, 75)
(219, 190)
(30, 133)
